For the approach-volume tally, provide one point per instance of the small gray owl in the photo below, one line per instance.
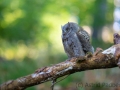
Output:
(76, 41)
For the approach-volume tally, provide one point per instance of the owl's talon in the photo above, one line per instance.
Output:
(89, 54)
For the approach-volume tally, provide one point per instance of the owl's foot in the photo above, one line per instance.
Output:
(40, 69)
(88, 54)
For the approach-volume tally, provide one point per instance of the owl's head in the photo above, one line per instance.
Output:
(68, 27)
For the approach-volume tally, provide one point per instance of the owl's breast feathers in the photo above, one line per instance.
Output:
(67, 45)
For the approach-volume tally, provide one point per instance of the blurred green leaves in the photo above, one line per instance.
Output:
(30, 32)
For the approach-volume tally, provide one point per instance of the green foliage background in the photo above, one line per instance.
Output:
(30, 34)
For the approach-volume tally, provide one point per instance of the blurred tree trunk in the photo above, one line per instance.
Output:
(98, 15)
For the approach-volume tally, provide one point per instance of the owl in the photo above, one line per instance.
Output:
(76, 41)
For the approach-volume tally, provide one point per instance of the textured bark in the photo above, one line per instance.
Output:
(99, 60)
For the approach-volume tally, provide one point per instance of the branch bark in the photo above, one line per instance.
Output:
(99, 60)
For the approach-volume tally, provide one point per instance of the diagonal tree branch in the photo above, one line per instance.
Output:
(100, 60)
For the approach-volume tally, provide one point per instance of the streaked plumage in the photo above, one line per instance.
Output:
(76, 41)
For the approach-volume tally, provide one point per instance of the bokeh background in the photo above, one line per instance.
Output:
(30, 38)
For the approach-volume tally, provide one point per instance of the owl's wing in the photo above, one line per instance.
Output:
(73, 46)
(76, 46)
(84, 38)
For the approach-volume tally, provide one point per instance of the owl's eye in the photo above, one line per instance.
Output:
(67, 29)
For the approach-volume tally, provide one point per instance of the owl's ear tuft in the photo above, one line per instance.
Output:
(69, 24)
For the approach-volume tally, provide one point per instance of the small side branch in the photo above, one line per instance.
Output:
(100, 60)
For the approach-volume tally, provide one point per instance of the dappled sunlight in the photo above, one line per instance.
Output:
(11, 17)
(107, 35)
(18, 51)
(21, 52)
(30, 34)
(9, 54)
(15, 4)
